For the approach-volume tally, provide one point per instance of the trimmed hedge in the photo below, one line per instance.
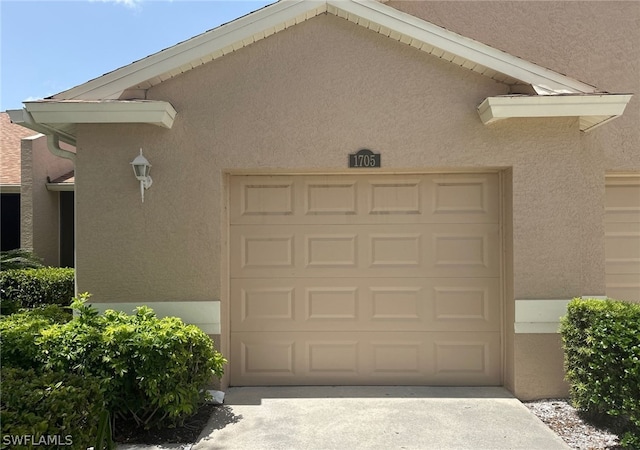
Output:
(602, 361)
(19, 259)
(19, 333)
(149, 370)
(49, 410)
(153, 371)
(28, 288)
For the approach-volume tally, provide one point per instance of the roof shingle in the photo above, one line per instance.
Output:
(10, 137)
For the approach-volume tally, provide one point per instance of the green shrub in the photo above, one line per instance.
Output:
(56, 410)
(28, 288)
(153, 371)
(602, 358)
(19, 332)
(19, 259)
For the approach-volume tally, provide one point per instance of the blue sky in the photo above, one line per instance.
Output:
(50, 46)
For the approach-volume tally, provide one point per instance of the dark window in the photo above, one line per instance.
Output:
(67, 231)
(10, 213)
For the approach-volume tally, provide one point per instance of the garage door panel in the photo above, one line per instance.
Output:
(464, 250)
(624, 287)
(364, 304)
(328, 304)
(622, 237)
(393, 250)
(399, 357)
(366, 358)
(365, 279)
(266, 357)
(256, 251)
(333, 356)
(330, 199)
(458, 198)
(467, 357)
(264, 196)
(622, 200)
(395, 197)
(342, 251)
(622, 248)
(337, 250)
(258, 302)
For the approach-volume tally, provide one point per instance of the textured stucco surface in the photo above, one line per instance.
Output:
(39, 206)
(303, 99)
(593, 41)
(539, 360)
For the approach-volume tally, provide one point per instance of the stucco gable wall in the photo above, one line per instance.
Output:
(303, 99)
(595, 42)
(326, 85)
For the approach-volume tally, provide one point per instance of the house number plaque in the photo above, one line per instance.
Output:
(364, 158)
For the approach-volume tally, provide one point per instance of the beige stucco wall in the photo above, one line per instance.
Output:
(39, 208)
(593, 41)
(539, 362)
(302, 100)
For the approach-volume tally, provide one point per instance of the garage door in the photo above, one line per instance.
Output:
(622, 238)
(365, 279)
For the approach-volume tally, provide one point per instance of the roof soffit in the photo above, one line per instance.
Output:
(593, 110)
(370, 14)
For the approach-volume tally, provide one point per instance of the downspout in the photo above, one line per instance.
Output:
(53, 142)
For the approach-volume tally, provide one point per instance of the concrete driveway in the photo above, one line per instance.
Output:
(377, 417)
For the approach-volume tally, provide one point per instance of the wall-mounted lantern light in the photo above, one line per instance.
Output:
(141, 169)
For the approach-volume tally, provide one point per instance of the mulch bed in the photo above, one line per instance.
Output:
(129, 433)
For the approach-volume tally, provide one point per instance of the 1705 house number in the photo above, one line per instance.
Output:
(364, 158)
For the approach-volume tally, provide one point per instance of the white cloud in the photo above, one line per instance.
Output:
(133, 4)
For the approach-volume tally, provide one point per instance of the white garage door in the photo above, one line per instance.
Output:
(371, 279)
(622, 238)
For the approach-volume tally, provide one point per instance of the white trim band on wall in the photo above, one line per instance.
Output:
(542, 316)
(205, 315)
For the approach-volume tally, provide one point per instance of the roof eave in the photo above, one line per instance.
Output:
(592, 109)
(60, 117)
(23, 118)
(456, 48)
(370, 14)
(198, 50)
(152, 112)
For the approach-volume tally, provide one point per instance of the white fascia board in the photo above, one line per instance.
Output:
(157, 113)
(21, 117)
(253, 25)
(16, 116)
(539, 77)
(604, 107)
